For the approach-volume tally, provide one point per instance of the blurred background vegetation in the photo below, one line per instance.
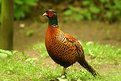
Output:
(104, 10)
(29, 21)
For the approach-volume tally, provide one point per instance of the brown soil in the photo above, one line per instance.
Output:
(84, 30)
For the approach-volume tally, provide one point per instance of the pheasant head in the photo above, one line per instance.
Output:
(52, 16)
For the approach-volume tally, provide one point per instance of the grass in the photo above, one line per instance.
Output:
(20, 67)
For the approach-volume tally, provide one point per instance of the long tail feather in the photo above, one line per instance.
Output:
(88, 67)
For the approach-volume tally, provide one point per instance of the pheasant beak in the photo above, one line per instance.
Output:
(45, 14)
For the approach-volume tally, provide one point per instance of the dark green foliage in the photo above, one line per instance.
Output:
(22, 7)
(53, 1)
(106, 10)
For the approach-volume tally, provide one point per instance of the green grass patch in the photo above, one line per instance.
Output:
(20, 67)
(102, 53)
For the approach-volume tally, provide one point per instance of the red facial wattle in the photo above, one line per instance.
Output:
(50, 14)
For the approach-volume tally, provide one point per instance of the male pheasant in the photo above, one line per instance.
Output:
(64, 49)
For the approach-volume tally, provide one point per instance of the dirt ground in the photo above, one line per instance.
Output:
(28, 32)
